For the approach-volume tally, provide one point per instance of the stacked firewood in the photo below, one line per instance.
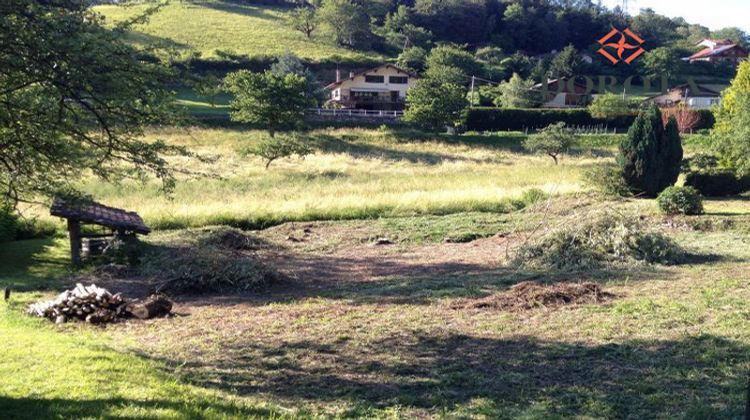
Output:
(98, 306)
(87, 303)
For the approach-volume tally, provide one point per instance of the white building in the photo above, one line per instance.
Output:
(381, 88)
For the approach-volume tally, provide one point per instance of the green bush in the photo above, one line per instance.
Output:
(716, 183)
(552, 140)
(8, 224)
(532, 196)
(597, 241)
(704, 173)
(680, 200)
(280, 146)
(608, 180)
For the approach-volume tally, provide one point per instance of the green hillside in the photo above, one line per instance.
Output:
(205, 27)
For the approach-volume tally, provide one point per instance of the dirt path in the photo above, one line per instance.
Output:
(374, 262)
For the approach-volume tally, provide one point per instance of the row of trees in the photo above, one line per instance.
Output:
(508, 37)
(533, 26)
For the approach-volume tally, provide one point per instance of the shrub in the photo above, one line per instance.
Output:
(608, 180)
(704, 173)
(13, 227)
(716, 183)
(687, 119)
(680, 200)
(611, 104)
(552, 140)
(504, 119)
(281, 146)
(8, 224)
(533, 196)
(600, 240)
(651, 155)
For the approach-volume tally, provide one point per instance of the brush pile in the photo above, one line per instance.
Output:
(87, 303)
(97, 305)
(530, 295)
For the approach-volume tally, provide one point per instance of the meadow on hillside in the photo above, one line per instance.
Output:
(210, 26)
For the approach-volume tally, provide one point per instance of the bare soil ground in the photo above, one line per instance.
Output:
(362, 327)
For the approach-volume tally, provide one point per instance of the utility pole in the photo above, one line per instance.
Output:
(472, 89)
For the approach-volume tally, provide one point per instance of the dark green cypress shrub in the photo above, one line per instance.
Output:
(651, 155)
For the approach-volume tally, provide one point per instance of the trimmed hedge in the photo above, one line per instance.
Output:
(717, 183)
(504, 119)
(501, 119)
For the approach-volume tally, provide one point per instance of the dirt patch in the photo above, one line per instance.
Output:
(529, 295)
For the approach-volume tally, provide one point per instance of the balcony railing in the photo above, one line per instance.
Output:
(372, 99)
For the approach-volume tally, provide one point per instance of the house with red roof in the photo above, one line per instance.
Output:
(719, 51)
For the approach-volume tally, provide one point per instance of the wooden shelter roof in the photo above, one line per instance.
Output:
(99, 214)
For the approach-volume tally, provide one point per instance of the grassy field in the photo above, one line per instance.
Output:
(354, 174)
(358, 330)
(387, 339)
(208, 26)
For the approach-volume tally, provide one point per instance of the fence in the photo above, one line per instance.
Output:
(354, 113)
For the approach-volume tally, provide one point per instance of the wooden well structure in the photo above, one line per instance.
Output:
(118, 222)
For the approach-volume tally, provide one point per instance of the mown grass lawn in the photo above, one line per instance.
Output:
(76, 371)
(674, 342)
(206, 27)
(377, 331)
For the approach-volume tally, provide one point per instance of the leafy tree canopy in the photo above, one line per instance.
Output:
(662, 62)
(433, 105)
(75, 100)
(349, 22)
(271, 100)
(412, 59)
(567, 63)
(731, 135)
(610, 104)
(552, 140)
(517, 93)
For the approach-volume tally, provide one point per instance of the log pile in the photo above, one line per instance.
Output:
(96, 305)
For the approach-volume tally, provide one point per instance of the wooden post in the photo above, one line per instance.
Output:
(74, 231)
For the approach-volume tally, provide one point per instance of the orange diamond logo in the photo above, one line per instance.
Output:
(628, 41)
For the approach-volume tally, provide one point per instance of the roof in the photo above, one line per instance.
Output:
(92, 212)
(686, 90)
(563, 80)
(397, 68)
(709, 52)
(716, 41)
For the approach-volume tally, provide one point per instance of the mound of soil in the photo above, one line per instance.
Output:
(529, 295)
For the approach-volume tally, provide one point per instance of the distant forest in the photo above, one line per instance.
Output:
(508, 36)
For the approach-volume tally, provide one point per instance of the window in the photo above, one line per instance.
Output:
(398, 80)
(374, 79)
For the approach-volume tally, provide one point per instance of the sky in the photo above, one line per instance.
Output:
(715, 14)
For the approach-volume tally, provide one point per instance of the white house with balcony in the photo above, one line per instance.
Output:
(380, 88)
